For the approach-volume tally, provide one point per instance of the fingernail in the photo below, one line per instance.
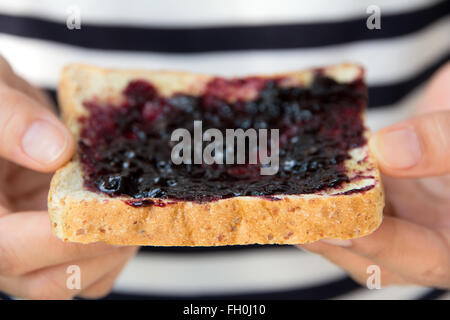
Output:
(338, 242)
(399, 149)
(44, 142)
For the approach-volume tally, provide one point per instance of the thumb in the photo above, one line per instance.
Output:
(417, 147)
(30, 135)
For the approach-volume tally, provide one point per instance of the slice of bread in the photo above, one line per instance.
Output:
(79, 215)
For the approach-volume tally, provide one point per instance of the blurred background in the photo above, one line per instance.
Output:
(400, 43)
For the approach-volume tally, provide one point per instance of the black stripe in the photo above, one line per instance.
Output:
(384, 95)
(433, 294)
(322, 291)
(4, 296)
(207, 39)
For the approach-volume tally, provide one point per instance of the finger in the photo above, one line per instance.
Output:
(34, 201)
(51, 282)
(417, 147)
(5, 206)
(6, 72)
(27, 190)
(27, 243)
(26, 181)
(21, 84)
(433, 199)
(357, 266)
(104, 285)
(30, 134)
(18, 181)
(418, 254)
(13, 80)
(437, 93)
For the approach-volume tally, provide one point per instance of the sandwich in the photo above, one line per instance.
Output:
(131, 182)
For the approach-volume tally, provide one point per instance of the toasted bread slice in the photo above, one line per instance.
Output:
(79, 215)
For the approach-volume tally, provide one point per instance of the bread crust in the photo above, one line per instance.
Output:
(240, 220)
(293, 219)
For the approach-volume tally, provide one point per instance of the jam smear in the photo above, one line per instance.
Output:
(125, 149)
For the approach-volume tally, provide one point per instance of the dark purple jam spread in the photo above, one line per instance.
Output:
(125, 149)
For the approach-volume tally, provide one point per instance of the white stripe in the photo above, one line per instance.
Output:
(386, 60)
(206, 12)
(236, 272)
(388, 293)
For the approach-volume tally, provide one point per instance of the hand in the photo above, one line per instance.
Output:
(412, 245)
(33, 262)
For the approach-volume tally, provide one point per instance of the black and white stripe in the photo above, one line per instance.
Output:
(233, 38)
(223, 38)
(383, 95)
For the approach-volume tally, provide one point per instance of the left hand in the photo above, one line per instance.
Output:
(33, 261)
(412, 245)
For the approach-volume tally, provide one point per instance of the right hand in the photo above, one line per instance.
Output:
(412, 245)
(33, 261)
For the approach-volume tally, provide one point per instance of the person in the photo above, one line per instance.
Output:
(412, 246)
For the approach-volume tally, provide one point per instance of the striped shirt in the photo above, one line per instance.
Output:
(234, 38)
